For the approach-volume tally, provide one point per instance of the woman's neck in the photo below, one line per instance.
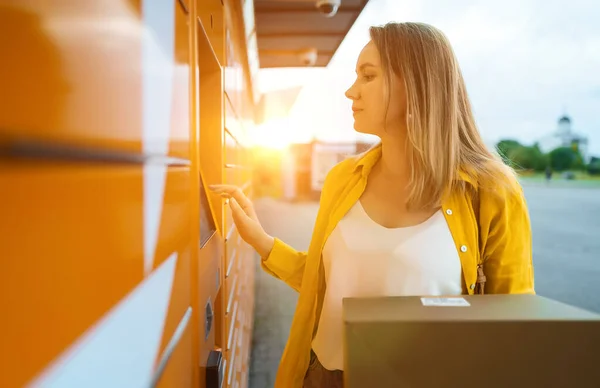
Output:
(394, 164)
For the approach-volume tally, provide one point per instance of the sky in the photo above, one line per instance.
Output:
(525, 63)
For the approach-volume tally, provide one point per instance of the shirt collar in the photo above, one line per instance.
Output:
(367, 160)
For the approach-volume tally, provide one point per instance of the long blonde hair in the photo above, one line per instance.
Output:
(443, 138)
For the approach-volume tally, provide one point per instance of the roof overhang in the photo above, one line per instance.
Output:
(294, 33)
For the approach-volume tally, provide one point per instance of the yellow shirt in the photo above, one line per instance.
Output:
(499, 237)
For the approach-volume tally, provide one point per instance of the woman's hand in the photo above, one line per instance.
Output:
(245, 219)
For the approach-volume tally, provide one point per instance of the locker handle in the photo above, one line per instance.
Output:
(209, 315)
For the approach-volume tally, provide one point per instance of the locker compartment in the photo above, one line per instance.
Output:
(234, 174)
(247, 341)
(208, 222)
(231, 320)
(73, 230)
(233, 121)
(230, 174)
(237, 319)
(210, 259)
(179, 145)
(241, 264)
(239, 361)
(241, 350)
(235, 309)
(232, 360)
(234, 353)
(231, 245)
(209, 286)
(70, 87)
(209, 280)
(175, 364)
(211, 15)
(233, 80)
(229, 228)
(210, 106)
(232, 148)
(232, 285)
(180, 306)
(208, 302)
(231, 259)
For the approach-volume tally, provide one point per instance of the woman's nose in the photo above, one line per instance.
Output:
(350, 93)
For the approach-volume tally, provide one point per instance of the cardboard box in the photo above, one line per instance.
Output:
(482, 341)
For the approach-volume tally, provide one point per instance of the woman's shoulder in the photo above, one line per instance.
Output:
(501, 188)
(341, 171)
(352, 163)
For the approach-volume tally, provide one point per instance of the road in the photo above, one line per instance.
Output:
(565, 224)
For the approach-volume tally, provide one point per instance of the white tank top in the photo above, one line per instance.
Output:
(364, 259)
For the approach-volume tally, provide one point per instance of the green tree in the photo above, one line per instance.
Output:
(578, 163)
(563, 158)
(528, 158)
(594, 167)
(505, 147)
(542, 160)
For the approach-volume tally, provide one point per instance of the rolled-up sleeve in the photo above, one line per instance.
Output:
(285, 263)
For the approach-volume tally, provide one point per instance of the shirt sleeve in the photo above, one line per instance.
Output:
(285, 263)
(505, 232)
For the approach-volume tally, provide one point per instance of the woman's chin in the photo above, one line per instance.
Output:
(361, 129)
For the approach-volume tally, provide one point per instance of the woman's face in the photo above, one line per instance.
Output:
(368, 95)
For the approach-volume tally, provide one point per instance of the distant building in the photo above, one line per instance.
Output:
(305, 166)
(564, 136)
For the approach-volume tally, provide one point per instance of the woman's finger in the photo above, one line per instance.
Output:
(232, 191)
(238, 214)
(222, 188)
(240, 197)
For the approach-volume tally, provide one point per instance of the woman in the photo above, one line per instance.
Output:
(428, 211)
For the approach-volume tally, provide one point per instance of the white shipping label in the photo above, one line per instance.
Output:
(444, 302)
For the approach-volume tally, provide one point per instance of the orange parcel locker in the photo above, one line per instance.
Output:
(89, 254)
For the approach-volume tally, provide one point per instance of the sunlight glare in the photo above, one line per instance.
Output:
(273, 134)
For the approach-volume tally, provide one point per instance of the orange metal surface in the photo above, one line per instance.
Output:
(82, 238)
(177, 372)
(76, 236)
(65, 230)
(76, 74)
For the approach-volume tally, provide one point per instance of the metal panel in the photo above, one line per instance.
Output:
(302, 22)
(306, 4)
(284, 27)
(325, 42)
(289, 61)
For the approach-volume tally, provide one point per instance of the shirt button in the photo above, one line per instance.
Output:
(472, 286)
(449, 212)
(463, 248)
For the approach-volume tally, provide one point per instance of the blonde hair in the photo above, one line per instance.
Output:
(443, 139)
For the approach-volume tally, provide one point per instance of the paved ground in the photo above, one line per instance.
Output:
(565, 225)
(566, 246)
(275, 301)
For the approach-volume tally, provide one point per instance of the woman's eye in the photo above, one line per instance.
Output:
(368, 77)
